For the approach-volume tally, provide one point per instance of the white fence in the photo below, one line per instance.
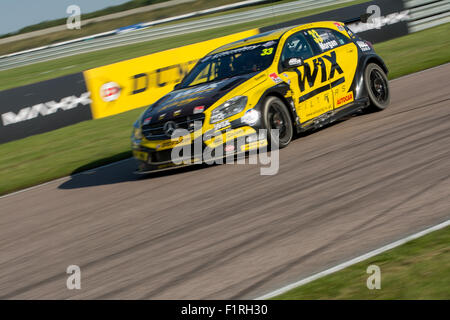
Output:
(425, 14)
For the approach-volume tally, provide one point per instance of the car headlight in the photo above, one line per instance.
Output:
(228, 108)
(137, 131)
(251, 117)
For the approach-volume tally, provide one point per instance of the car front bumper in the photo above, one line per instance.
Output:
(165, 154)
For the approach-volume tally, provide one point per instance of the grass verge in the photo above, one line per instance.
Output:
(418, 269)
(51, 155)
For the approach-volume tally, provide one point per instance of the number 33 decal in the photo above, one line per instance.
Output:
(315, 35)
(267, 52)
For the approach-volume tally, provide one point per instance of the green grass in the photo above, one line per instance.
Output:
(47, 156)
(55, 68)
(416, 51)
(419, 269)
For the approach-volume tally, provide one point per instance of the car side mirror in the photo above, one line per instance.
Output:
(292, 63)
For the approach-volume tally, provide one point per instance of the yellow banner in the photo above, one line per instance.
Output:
(139, 82)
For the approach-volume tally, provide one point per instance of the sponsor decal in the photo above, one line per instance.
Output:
(110, 91)
(147, 121)
(221, 125)
(194, 92)
(328, 45)
(176, 113)
(178, 103)
(234, 133)
(345, 99)
(172, 143)
(198, 109)
(339, 26)
(287, 78)
(310, 74)
(267, 52)
(188, 95)
(269, 44)
(229, 148)
(231, 52)
(161, 116)
(350, 33)
(47, 108)
(363, 45)
(275, 78)
(317, 38)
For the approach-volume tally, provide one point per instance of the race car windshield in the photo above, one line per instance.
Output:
(227, 64)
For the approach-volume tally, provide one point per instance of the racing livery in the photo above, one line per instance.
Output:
(291, 79)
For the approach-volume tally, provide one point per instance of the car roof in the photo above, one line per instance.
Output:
(262, 37)
(274, 35)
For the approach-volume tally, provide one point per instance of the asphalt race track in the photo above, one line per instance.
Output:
(225, 231)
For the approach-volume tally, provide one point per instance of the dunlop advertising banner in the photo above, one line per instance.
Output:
(139, 82)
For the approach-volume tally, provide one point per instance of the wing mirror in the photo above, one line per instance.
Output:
(292, 63)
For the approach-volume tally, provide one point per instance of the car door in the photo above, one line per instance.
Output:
(341, 57)
(309, 82)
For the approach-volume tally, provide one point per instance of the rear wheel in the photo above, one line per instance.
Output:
(276, 116)
(377, 86)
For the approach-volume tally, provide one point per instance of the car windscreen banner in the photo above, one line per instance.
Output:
(139, 82)
(43, 106)
(387, 19)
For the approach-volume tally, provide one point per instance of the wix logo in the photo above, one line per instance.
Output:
(310, 74)
(46, 108)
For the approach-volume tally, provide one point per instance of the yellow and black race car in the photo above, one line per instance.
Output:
(291, 79)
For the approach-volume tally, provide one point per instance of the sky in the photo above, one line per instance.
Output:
(16, 14)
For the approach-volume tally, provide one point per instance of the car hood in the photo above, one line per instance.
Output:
(182, 102)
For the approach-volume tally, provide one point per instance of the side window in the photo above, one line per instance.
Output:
(341, 39)
(296, 46)
(203, 76)
(324, 39)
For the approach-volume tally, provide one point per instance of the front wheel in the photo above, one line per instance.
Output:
(276, 116)
(377, 86)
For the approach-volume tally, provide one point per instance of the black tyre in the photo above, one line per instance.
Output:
(377, 86)
(275, 115)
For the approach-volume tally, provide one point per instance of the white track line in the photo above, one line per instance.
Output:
(113, 163)
(353, 261)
